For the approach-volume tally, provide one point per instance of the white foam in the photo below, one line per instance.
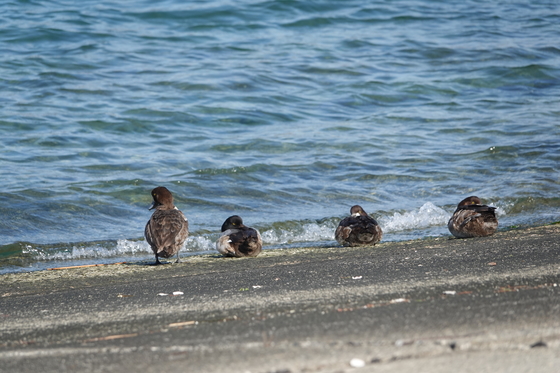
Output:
(310, 232)
(132, 247)
(200, 243)
(123, 248)
(499, 210)
(426, 216)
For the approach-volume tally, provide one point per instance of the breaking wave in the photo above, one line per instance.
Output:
(426, 216)
(429, 220)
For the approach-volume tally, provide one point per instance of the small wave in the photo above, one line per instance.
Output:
(85, 251)
(499, 211)
(426, 216)
(309, 232)
(200, 243)
(428, 220)
(122, 248)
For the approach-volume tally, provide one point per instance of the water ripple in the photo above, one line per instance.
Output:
(285, 112)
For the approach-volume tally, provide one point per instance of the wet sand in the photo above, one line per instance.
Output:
(435, 305)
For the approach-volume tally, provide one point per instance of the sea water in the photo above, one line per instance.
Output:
(286, 113)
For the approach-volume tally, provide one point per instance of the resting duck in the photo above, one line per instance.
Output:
(473, 219)
(238, 240)
(358, 229)
(168, 228)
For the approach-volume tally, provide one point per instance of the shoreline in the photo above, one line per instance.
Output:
(205, 257)
(415, 304)
(186, 255)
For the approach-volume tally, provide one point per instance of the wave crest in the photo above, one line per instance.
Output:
(426, 216)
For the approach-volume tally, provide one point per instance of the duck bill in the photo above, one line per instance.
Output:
(153, 206)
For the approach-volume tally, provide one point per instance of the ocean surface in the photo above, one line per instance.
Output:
(284, 112)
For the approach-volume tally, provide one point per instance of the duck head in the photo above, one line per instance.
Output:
(357, 210)
(472, 200)
(233, 222)
(163, 199)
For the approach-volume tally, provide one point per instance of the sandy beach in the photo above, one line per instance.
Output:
(435, 305)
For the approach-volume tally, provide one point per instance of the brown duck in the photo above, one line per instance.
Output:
(238, 240)
(168, 228)
(473, 219)
(358, 229)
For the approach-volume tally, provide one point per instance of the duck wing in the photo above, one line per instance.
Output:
(246, 241)
(166, 229)
(357, 230)
(473, 221)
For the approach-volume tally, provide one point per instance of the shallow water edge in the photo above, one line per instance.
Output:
(204, 262)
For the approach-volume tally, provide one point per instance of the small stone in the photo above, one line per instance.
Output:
(357, 363)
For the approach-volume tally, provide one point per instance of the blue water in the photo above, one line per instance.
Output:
(284, 112)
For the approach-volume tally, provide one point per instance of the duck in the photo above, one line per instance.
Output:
(473, 219)
(168, 228)
(238, 240)
(358, 229)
